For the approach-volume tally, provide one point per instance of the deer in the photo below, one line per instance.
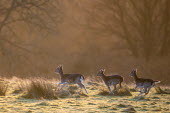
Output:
(110, 80)
(142, 83)
(70, 78)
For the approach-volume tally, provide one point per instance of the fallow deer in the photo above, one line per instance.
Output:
(70, 78)
(110, 80)
(142, 83)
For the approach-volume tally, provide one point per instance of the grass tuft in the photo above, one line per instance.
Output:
(132, 90)
(63, 93)
(129, 110)
(83, 94)
(72, 89)
(20, 87)
(3, 88)
(41, 89)
(120, 92)
(101, 106)
(121, 106)
(43, 104)
(113, 108)
(125, 91)
(160, 91)
(93, 83)
(104, 92)
(38, 89)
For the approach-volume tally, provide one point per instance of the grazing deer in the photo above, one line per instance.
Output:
(110, 80)
(70, 78)
(145, 84)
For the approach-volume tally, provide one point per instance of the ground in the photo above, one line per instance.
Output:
(93, 102)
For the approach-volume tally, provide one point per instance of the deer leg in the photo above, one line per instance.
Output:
(137, 89)
(82, 86)
(115, 89)
(58, 85)
(63, 84)
(109, 89)
(145, 90)
(148, 89)
(140, 89)
(120, 84)
(140, 92)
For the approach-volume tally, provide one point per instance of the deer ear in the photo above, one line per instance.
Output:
(103, 70)
(59, 66)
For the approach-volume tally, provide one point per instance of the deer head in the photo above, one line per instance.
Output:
(59, 69)
(101, 72)
(133, 72)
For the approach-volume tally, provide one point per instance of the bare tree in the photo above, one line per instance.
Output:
(143, 24)
(21, 17)
(165, 45)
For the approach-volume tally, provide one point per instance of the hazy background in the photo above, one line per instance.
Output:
(85, 36)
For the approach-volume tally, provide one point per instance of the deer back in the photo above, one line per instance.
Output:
(72, 78)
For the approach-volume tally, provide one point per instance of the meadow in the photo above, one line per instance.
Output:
(84, 36)
(42, 96)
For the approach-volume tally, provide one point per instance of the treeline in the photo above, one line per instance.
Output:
(38, 35)
(143, 24)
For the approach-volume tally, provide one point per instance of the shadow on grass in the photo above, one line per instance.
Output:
(129, 110)
(140, 98)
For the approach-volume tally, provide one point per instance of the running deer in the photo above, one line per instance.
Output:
(143, 84)
(110, 80)
(70, 78)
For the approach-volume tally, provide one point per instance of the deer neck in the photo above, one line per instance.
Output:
(135, 77)
(103, 77)
(61, 74)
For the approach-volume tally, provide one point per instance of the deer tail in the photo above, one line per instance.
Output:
(156, 82)
(82, 77)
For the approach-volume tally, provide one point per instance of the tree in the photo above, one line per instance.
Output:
(143, 24)
(21, 17)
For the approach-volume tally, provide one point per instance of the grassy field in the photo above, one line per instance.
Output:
(98, 100)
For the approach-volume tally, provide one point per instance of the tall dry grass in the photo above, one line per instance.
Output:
(45, 89)
(38, 89)
(3, 88)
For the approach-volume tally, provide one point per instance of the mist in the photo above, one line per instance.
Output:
(84, 36)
